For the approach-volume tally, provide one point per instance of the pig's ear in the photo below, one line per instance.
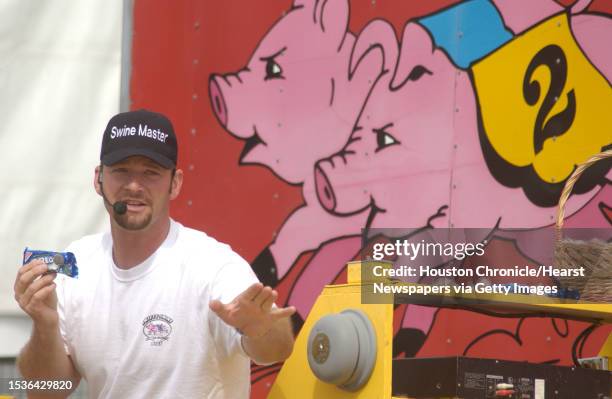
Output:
(332, 18)
(580, 6)
(376, 43)
(520, 15)
(417, 47)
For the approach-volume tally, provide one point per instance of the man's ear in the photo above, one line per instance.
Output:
(98, 179)
(176, 184)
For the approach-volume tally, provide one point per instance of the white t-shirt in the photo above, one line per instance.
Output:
(148, 332)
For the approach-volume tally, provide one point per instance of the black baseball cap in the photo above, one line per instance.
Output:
(141, 132)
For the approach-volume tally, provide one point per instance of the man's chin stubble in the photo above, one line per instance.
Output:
(124, 222)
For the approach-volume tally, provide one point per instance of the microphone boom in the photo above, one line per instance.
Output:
(119, 207)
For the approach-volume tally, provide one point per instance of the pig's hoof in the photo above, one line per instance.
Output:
(408, 341)
(264, 267)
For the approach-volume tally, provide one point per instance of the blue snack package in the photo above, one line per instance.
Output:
(57, 262)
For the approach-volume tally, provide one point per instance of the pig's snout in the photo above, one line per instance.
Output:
(217, 100)
(340, 186)
(325, 191)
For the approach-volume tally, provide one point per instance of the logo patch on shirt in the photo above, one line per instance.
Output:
(157, 328)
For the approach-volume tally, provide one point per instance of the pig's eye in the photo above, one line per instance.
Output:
(417, 72)
(383, 138)
(273, 70)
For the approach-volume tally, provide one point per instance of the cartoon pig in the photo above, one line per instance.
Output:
(297, 101)
(415, 158)
(419, 133)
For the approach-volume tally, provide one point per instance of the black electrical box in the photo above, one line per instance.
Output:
(470, 378)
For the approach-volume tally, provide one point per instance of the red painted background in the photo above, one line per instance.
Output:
(176, 46)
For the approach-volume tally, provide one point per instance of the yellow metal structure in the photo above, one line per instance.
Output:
(296, 380)
(606, 350)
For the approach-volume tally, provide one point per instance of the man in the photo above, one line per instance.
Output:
(159, 310)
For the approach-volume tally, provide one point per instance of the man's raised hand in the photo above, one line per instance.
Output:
(251, 312)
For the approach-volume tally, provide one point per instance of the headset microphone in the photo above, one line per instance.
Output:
(119, 207)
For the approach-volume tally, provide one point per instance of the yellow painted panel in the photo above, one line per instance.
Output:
(540, 88)
(296, 380)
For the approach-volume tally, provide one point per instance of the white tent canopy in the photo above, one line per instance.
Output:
(60, 80)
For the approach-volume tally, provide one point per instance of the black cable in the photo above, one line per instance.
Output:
(579, 341)
(492, 332)
(259, 369)
(585, 338)
(557, 328)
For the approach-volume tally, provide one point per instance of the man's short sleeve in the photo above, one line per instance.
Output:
(231, 280)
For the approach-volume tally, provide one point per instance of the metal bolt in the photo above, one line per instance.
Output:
(191, 167)
(196, 61)
(193, 131)
(455, 146)
(194, 96)
(189, 202)
(196, 25)
(275, 195)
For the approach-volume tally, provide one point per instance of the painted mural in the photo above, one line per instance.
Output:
(475, 118)
(325, 120)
